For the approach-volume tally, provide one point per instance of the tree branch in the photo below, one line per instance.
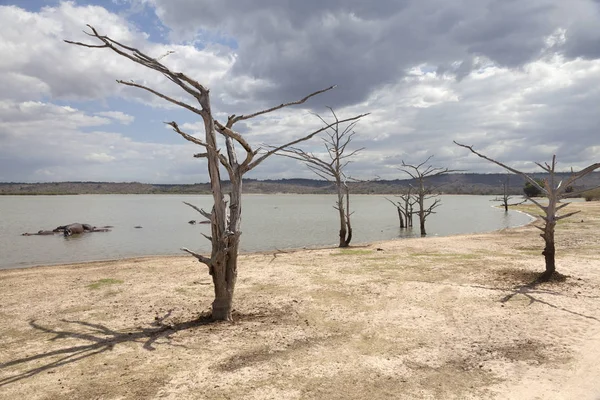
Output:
(302, 139)
(581, 174)
(233, 119)
(162, 96)
(567, 215)
(206, 215)
(544, 208)
(228, 132)
(200, 257)
(199, 142)
(198, 91)
(187, 136)
(524, 175)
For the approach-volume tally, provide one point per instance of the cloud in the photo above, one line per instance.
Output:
(99, 157)
(516, 79)
(42, 65)
(118, 116)
(361, 46)
(42, 142)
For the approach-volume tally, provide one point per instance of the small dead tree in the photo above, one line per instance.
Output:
(225, 217)
(554, 191)
(332, 167)
(405, 207)
(420, 173)
(506, 196)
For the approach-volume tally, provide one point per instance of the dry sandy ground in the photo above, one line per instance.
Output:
(434, 318)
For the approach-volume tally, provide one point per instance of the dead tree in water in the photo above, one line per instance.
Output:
(506, 197)
(225, 217)
(419, 174)
(554, 191)
(332, 168)
(405, 208)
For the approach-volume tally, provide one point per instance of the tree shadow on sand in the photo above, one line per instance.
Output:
(533, 288)
(100, 339)
(532, 291)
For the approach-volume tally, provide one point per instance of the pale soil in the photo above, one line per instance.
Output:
(435, 318)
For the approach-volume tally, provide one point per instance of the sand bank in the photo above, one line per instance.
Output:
(450, 317)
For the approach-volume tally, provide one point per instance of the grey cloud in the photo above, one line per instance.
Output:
(582, 30)
(361, 45)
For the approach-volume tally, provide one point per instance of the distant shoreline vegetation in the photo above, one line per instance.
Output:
(461, 183)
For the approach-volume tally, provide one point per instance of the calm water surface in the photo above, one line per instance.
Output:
(268, 222)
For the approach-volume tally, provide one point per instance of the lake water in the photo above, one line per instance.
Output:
(268, 222)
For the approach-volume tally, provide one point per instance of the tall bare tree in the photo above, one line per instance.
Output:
(554, 191)
(225, 217)
(420, 173)
(506, 197)
(331, 168)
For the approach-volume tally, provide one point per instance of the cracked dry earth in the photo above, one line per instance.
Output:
(434, 318)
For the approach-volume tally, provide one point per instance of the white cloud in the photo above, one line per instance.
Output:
(37, 57)
(99, 157)
(118, 116)
(43, 142)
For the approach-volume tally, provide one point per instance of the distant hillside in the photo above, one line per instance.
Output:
(451, 184)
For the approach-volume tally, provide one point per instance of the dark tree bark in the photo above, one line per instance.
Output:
(224, 218)
(336, 141)
(420, 173)
(405, 208)
(554, 192)
(409, 202)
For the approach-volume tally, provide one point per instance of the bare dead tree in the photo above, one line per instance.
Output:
(405, 207)
(401, 213)
(423, 192)
(554, 191)
(225, 217)
(506, 197)
(331, 168)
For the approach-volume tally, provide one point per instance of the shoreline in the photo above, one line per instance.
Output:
(449, 317)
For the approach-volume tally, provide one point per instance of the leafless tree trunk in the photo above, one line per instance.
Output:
(332, 169)
(224, 219)
(405, 208)
(346, 236)
(554, 192)
(401, 214)
(409, 202)
(419, 173)
(506, 196)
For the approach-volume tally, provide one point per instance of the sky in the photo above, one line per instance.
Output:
(518, 80)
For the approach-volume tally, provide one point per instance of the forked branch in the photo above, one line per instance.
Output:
(183, 81)
(302, 139)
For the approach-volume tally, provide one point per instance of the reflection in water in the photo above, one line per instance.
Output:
(268, 222)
